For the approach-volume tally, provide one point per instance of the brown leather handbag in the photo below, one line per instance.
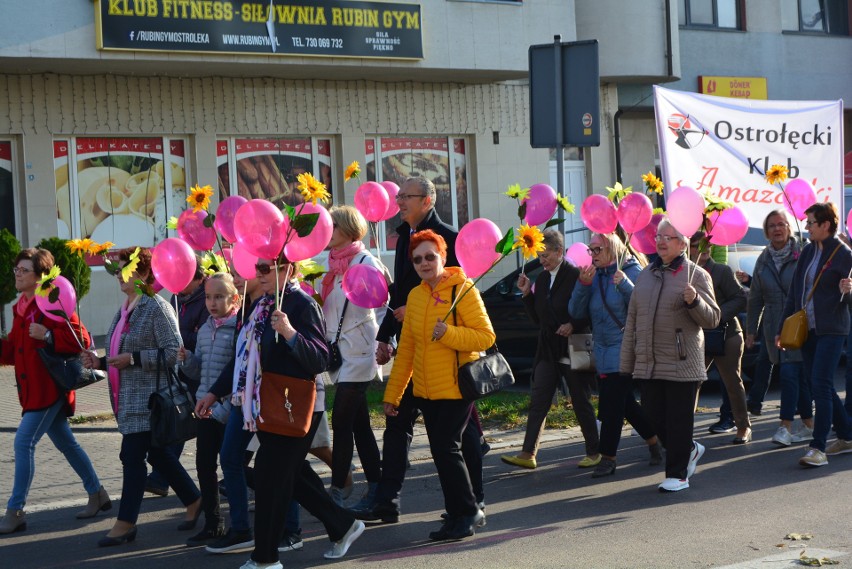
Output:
(794, 331)
(286, 404)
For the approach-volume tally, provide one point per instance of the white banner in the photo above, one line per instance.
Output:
(726, 145)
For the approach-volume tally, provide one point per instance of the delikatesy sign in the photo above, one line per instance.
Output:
(726, 145)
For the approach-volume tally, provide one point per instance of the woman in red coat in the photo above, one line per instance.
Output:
(45, 408)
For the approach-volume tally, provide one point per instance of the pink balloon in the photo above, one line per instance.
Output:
(849, 222)
(190, 228)
(727, 226)
(371, 199)
(244, 261)
(541, 204)
(173, 263)
(475, 246)
(599, 214)
(634, 212)
(645, 240)
(301, 248)
(800, 196)
(225, 213)
(578, 255)
(392, 190)
(67, 301)
(365, 286)
(685, 208)
(259, 227)
(306, 286)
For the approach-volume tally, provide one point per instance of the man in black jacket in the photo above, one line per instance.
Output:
(416, 199)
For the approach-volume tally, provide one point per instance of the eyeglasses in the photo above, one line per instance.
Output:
(808, 223)
(595, 251)
(774, 226)
(658, 238)
(334, 226)
(21, 270)
(428, 257)
(262, 269)
(401, 197)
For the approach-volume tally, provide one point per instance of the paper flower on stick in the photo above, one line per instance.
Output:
(652, 183)
(566, 205)
(352, 171)
(776, 174)
(312, 189)
(530, 241)
(199, 197)
(45, 283)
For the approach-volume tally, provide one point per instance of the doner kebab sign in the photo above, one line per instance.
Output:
(334, 28)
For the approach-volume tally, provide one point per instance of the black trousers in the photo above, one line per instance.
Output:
(445, 420)
(350, 423)
(282, 473)
(399, 431)
(616, 403)
(211, 433)
(670, 405)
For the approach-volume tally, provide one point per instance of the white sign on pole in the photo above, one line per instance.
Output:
(726, 145)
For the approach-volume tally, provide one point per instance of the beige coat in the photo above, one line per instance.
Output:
(663, 337)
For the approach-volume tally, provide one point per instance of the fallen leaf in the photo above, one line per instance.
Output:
(816, 562)
(798, 536)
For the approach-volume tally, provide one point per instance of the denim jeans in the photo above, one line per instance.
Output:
(822, 356)
(795, 392)
(34, 425)
(232, 458)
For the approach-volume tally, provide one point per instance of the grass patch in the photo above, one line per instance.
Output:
(507, 410)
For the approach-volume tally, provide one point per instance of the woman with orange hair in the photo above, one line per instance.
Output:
(430, 353)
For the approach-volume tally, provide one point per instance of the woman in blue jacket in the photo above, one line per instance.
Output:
(603, 295)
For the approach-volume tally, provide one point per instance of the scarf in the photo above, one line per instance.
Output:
(338, 262)
(779, 256)
(115, 345)
(219, 322)
(24, 304)
(247, 371)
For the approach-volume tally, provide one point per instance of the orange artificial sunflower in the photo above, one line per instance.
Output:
(99, 248)
(530, 241)
(199, 197)
(312, 189)
(352, 171)
(777, 173)
(79, 246)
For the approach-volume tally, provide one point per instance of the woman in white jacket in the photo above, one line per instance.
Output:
(354, 329)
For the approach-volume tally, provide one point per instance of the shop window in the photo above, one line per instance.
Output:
(7, 193)
(442, 160)
(118, 189)
(816, 16)
(267, 168)
(722, 14)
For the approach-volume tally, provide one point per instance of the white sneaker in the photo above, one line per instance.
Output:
(813, 457)
(803, 435)
(340, 548)
(694, 457)
(252, 564)
(838, 447)
(782, 437)
(674, 485)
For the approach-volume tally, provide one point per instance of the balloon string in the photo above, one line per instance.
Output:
(374, 227)
(243, 302)
(277, 292)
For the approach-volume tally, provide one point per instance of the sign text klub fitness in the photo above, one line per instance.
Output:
(333, 28)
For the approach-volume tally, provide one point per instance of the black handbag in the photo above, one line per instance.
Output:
(714, 340)
(172, 409)
(484, 376)
(67, 370)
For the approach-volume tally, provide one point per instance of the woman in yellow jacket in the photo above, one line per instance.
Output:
(430, 351)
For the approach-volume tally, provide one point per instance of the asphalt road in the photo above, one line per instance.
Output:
(742, 502)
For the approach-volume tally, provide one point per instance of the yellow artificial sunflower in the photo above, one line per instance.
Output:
(618, 192)
(199, 197)
(517, 192)
(99, 248)
(212, 263)
(128, 269)
(172, 223)
(564, 203)
(530, 241)
(45, 283)
(352, 171)
(77, 246)
(777, 173)
(653, 183)
(310, 270)
(312, 189)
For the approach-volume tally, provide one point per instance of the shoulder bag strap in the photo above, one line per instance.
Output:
(343, 313)
(821, 271)
(608, 309)
(452, 300)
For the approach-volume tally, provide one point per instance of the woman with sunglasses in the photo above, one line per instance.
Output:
(432, 347)
(288, 340)
(603, 296)
(45, 408)
(663, 348)
(143, 332)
